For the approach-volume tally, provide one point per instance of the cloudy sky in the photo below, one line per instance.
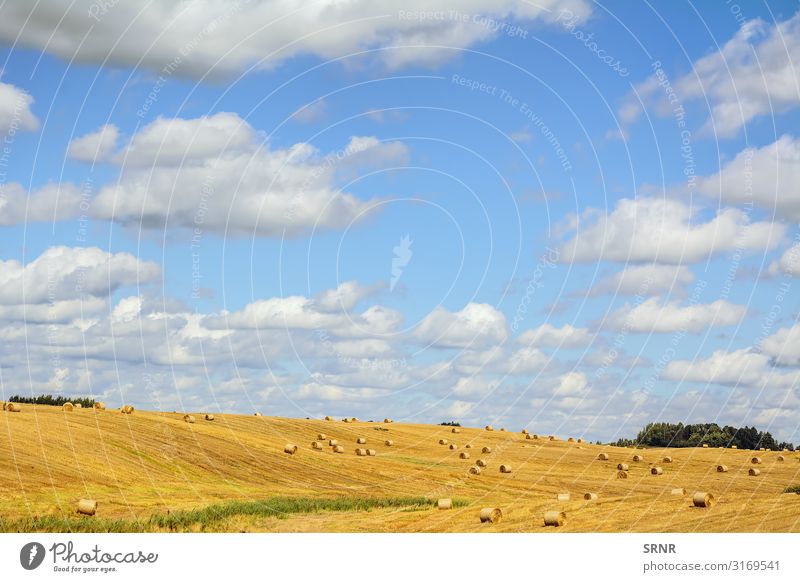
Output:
(571, 216)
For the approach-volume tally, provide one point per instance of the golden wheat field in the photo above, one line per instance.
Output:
(147, 463)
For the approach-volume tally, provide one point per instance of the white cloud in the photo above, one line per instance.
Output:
(784, 346)
(767, 176)
(573, 384)
(15, 110)
(753, 74)
(476, 326)
(665, 231)
(229, 37)
(95, 147)
(738, 368)
(566, 336)
(50, 203)
(788, 264)
(656, 316)
(212, 172)
(65, 273)
(346, 296)
(646, 280)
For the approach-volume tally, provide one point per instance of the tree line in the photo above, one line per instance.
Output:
(666, 434)
(50, 400)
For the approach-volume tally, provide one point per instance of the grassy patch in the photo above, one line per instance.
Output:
(792, 489)
(279, 507)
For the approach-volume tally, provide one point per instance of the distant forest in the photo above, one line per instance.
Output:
(50, 400)
(665, 434)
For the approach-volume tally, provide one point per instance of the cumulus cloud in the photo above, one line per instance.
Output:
(346, 296)
(476, 326)
(95, 147)
(50, 203)
(665, 231)
(657, 316)
(753, 74)
(229, 37)
(15, 110)
(784, 346)
(645, 280)
(212, 172)
(767, 176)
(788, 263)
(566, 336)
(738, 368)
(67, 273)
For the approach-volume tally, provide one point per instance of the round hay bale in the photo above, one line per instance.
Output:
(290, 449)
(486, 450)
(475, 470)
(87, 507)
(678, 491)
(338, 449)
(388, 443)
(756, 460)
(333, 442)
(361, 452)
(762, 449)
(258, 414)
(347, 420)
(491, 515)
(622, 474)
(555, 518)
(388, 420)
(453, 447)
(322, 436)
(371, 452)
(551, 438)
(535, 437)
(570, 440)
(463, 456)
(505, 468)
(638, 458)
(563, 496)
(328, 418)
(188, 418)
(361, 441)
(656, 471)
(489, 427)
(622, 466)
(209, 417)
(480, 463)
(703, 499)
(445, 503)
(13, 407)
(455, 430)
(734, 446)
(353, 419)
(68, 407)
(127, 409)
(667, 459)
(705, 445)
(467, 446)
(502, 430)
(754, 472)
(580, 441)
(525, 431)
(602, 457)
(317, 445)
(722, 468)
(590, 496)
(443, 441)
(780, 458)
(529, 437)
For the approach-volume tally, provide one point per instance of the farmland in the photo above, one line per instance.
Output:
(151, 471)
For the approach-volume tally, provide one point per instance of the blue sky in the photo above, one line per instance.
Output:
(572, 216)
